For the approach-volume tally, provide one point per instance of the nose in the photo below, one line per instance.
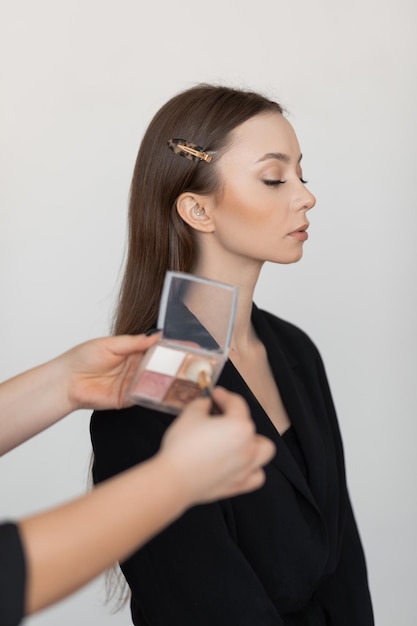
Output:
(307, 200)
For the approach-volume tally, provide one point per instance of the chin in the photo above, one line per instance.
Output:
(288, 259)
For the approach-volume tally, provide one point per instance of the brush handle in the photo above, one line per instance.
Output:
(206, 393)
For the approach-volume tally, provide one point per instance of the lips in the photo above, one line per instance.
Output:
(301, 233)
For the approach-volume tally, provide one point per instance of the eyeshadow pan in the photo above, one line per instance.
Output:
(193, 364)
(151, 385)
(165, 360)
(181, 392)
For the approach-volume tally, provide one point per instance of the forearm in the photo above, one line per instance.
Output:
(94, 374)
(31, 402)
(68, 546)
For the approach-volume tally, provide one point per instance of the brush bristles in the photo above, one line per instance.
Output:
(203, 380)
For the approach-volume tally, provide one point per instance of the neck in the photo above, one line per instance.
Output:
(242, 273)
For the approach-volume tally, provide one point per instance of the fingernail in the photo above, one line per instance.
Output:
(152, 331)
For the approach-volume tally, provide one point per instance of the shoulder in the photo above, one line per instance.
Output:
(124, 424)
(122, 438)
(295, 341)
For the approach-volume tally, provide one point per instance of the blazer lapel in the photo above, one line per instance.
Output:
(283, 459)
(284, 368)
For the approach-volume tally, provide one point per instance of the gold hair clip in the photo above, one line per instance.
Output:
(189, 150)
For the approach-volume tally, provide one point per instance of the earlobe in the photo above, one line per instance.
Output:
(190, 208)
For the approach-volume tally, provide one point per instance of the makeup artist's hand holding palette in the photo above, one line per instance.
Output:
(196, 318)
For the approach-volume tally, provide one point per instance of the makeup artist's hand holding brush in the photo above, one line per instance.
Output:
(201, 459)
(236, 452)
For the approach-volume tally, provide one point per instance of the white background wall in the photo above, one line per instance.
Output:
(79, 82)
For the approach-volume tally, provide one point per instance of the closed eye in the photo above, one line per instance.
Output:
(274, 183)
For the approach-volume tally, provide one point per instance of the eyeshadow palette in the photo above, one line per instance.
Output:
(196, 317)
(169, 376)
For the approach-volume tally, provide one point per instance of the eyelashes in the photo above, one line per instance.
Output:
(276, 183)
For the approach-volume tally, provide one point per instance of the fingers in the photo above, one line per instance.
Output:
(265, 450)
(217, 457)
(251, 482)
(230, 403)
(252, 475)
(124, 345)
(198, 408)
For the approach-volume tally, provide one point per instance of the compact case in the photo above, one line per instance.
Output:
(196, 317)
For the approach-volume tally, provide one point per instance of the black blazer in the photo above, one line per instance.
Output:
(12, 575)
(288, 553)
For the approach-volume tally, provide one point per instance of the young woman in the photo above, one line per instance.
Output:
(218, 190)
(47, 556)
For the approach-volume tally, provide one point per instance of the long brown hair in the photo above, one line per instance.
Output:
(159, 239)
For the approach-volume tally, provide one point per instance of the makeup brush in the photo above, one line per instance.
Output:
(204, 382)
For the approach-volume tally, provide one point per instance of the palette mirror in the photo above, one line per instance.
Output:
(196, 317)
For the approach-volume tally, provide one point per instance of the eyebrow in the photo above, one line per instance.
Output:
(280, 156)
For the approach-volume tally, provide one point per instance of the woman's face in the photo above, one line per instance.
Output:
(262, 209)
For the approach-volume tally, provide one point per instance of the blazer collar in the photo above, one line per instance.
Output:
(285, 369)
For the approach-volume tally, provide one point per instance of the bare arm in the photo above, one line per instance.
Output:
(201, 459)
(94, 374)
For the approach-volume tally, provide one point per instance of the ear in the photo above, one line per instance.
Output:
(194, 210)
